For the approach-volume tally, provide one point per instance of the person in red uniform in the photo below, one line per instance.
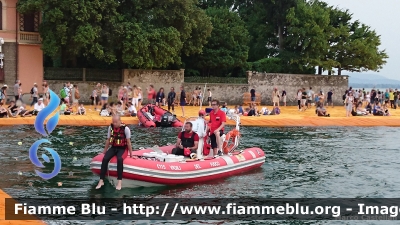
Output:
(119, 137)
(187, 141)
(151, 94)
(216, 128)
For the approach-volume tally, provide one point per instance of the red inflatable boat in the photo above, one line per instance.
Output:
(157, 166)
(154, 116)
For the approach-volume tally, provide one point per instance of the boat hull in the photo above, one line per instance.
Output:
(142, 172)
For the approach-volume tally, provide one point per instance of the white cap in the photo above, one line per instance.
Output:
(40, 99)
(34, 83)
(5, 85)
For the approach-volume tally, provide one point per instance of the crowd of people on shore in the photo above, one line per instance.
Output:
(377, 103)
(129, 99)
(356, 102)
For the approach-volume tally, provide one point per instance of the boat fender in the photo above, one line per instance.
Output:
(206, 147)
(186, 151)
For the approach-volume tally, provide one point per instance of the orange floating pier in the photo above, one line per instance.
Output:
(3, 196)
(289, 117)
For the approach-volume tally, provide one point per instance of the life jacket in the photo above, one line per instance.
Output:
(187, 142)
(117, 136)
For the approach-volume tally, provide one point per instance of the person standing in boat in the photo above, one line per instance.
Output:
(216, 128)
(119, 137)
(187, 141)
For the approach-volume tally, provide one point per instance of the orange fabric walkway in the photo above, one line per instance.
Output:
(3, 196)
(290, 116)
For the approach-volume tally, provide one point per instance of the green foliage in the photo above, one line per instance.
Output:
(206, 37)
(142, 34)
(228, 45)
(359, 50)
(268, 65)
(309, 31)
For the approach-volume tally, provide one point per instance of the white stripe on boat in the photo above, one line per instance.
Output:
(228, 160)
(181, 175)
(252, 154)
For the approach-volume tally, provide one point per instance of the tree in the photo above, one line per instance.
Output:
(309, 31)
(140, 34)
(205, 4)
(70, 28)
(359, 50)
(227, 46)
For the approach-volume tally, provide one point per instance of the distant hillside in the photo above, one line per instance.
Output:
(372, 80)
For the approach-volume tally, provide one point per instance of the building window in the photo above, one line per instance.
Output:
(1, 15)
(29, 22)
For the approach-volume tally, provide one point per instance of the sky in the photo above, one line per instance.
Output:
(383, 17)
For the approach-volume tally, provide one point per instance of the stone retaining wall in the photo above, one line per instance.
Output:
(231, 93)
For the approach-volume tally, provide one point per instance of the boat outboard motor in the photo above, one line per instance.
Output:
(166, 120)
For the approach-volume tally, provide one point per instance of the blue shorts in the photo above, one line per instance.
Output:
(104, 98)
(183, 103)
(253, 99)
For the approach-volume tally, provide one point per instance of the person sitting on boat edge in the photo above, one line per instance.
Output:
(216, 128)
(119, 137)
(187, 141)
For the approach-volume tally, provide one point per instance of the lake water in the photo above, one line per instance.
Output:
(340, 162)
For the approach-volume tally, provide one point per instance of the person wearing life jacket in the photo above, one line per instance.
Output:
(187, 142)
(119, 137)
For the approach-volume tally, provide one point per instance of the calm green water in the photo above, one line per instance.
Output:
(301, 162)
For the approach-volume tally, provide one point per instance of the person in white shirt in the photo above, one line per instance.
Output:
(67, 92)
(37, 108)
(120, 109)
(356, 96)
(39, 105)
(131, 110)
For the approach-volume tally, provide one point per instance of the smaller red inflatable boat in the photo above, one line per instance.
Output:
(154, 116)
